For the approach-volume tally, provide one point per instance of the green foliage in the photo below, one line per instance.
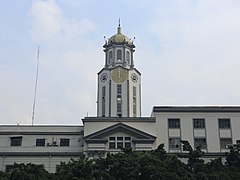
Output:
(3, 176)
(195, 163)
(76, 169)
(28, 172)
(232, 157)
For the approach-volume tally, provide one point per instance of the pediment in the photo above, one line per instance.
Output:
(136, 134)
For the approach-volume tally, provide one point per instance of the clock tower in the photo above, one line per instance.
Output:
(119, 83)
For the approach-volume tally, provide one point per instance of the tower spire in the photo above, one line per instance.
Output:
(119, 22)
(119, 27)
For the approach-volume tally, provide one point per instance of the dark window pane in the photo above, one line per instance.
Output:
(224, 123)
(224, 142)
(127, 144)
(40, 142)
(174, 123)
(127, 138)
(64, 142)
(119, 145)
(119, 55)
(112, 145)
(200, 142)
(16, 141)
(119, 138)
(112, 138)
(174, 144)
(199, 123)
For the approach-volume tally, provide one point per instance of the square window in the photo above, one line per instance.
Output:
(40, 142)
(119, 145)
(112, 145)
(127, 144)
(174, 123)
(112, 138)
(200, 142)
(174, 144)
(198, 123)
(224, 142)
(127, 138)
(64, 142)
(16, 141)
(119, 138)
(224, 123)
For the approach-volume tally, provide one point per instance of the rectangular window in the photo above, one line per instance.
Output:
(224, 142)
(224, 123)
(200, 142)
(16, 141)
(128, 57)
(103, 91)
(40, 142)
(134, 91)
(119, 99)
(174, 144)
(112, 143)
(119, 55)
(64, 142)
(119, 142)
(127, 143)
(134, 101)
(199, 123)
(134, 107)
(119, 106)
(127, 138)
(173, 123)
(103, 106)
(119, 89)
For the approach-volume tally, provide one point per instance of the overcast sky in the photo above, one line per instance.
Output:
(188, 52)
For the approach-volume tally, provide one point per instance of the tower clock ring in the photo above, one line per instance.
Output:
(134, 77)
(104, 77)
(119, 75)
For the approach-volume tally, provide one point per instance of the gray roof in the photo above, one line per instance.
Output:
(211, 109)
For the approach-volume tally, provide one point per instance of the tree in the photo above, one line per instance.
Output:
(232, 157)
(28, 172)
(76, 169)
(195, 163)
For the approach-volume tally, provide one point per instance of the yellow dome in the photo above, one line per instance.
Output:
(119, 38)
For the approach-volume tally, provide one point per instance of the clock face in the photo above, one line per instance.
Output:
(119, 75)
(104, 77)
(134, 77)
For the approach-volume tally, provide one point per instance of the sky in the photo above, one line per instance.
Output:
(188, 52)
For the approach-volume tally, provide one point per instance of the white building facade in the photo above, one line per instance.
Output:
(119, 124)
(212, 127)
(45, 145)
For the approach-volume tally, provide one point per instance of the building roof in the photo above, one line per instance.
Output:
(202, 109)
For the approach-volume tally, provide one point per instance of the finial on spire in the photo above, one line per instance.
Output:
(119, 22)
(119, 26)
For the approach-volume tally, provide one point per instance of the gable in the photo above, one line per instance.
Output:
(136, 134)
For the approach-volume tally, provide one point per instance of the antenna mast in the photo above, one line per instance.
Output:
(35, 89)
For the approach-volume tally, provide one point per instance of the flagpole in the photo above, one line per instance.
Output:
(35, 89)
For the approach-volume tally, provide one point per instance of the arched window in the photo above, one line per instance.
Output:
(119, 55)
(128, 57)
(110, 57)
